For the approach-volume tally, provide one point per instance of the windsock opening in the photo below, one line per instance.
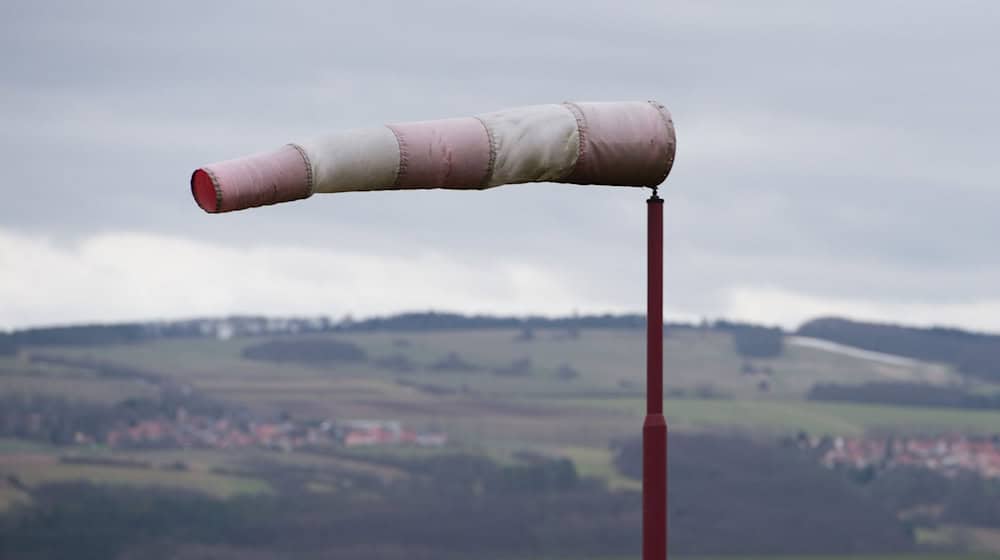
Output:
(204, 191)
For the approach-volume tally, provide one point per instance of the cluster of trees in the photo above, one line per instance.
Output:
(963, 500)
(53, 420)
(431, 321)
(699, 391)
(730, 495)
(326, 351)
(82, 335)
(58, 420)
(902, 393)
(452, 362)
(8, 346)
(972, 353)
(754, 341)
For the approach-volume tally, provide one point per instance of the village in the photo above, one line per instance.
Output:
(188, 431)
(950, 455)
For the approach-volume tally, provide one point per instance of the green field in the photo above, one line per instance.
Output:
(597, 462)
(780, 417)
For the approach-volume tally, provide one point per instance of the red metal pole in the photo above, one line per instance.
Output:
(654, 429)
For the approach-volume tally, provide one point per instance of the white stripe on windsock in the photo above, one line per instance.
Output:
(350, 160)
(536, 143)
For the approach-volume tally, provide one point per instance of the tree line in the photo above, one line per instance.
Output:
(754, 341)
(126, 333)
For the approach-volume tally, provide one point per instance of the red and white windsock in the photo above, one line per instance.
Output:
(625, 144)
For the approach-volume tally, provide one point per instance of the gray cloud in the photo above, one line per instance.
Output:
(843, 152)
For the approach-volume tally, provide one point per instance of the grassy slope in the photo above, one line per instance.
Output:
(598, 462)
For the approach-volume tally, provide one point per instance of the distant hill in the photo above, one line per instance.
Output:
(236, 326)
(973, 354)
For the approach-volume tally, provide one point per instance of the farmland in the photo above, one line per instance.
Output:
(504, 395)
(710, 386)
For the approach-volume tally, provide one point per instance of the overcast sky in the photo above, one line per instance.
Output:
(833, 158)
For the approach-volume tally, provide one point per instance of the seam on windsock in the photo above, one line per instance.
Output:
(309, 167)
(581, 128)
(488, 177)
(401, 169)
(217, 187)
(669, 124)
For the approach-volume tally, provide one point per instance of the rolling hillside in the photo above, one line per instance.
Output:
(505, 388)
(500, 391)
(406, 369)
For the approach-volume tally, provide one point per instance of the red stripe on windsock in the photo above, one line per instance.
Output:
(442, 153)
(629, 144)
(257, 180)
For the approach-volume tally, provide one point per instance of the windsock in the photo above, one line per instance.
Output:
(623, 144)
